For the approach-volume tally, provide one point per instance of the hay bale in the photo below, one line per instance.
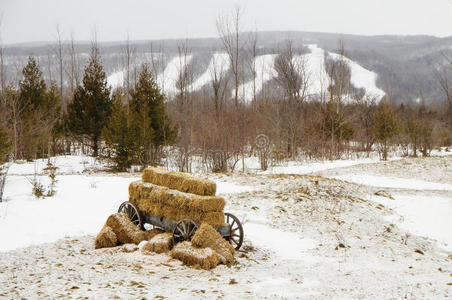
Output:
(126, 232)
(144, 193)
(106, 238)
(207, 236)
(179, 181)
(160, 243)
(149, 234)
(204, 258)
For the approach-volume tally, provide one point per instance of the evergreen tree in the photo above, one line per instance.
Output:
(385, 126)
(32, 87)
(91, 105)
(119, 133)
(147, 104)
(32, 96)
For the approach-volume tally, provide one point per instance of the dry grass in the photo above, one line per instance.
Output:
(106, 238)
(200, 258)
(207, 236)
(160, 243)
(125, 230)
(179, 181)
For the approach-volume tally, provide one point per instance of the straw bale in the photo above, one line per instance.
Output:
(207, 236)
(160, 243)
(149, 234)
(144, 193)
(126, 232)
(179, 181)
(106, 238)
(203, 258)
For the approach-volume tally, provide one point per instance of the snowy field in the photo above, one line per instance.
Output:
(312, 231)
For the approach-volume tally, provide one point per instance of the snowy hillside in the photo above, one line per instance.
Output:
(314, 63)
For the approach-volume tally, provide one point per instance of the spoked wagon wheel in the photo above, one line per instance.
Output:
(236, 233)
(132, 212)
(184, 230)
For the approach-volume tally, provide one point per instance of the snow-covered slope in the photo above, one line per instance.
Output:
(265, 71)
(219, 64)
(361, 77)
(315, 65)
(168, 78)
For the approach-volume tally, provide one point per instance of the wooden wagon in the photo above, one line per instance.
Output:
(184, 229)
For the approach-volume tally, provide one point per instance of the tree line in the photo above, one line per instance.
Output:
(139, 123)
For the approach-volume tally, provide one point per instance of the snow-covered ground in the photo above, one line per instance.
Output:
(306, 236)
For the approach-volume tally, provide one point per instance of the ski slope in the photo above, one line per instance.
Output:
(219, 64)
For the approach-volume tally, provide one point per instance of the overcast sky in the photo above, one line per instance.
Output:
(33, 20)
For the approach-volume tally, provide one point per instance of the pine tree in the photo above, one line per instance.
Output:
(32, 87)
(119, 133)
(148, 105)
(32, 96)
(385, 126)
(91, 106)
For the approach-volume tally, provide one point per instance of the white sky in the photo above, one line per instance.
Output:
(35, 20)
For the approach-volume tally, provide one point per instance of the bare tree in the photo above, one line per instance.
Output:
(229, 29)
(252, 62)
(2, 62)
(74, 66)
(59, 55)
(293, 76)
(293, 79)
(219, 83)
(128, 54)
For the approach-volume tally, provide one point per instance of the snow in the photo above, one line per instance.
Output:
(265, 71)
(219, 64)
(362, 78)
(116, 79)
(297, 168)
(393, 182)
(168, 78)
(315, 66)
(424, 216)
(224, 187)
(80, 207)
(71, 164)
(285, 245)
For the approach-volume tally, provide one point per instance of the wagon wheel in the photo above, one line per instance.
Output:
(235, 237)
(132, 212)
(184, 230)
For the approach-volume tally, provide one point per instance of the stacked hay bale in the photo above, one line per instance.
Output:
(176, 196)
